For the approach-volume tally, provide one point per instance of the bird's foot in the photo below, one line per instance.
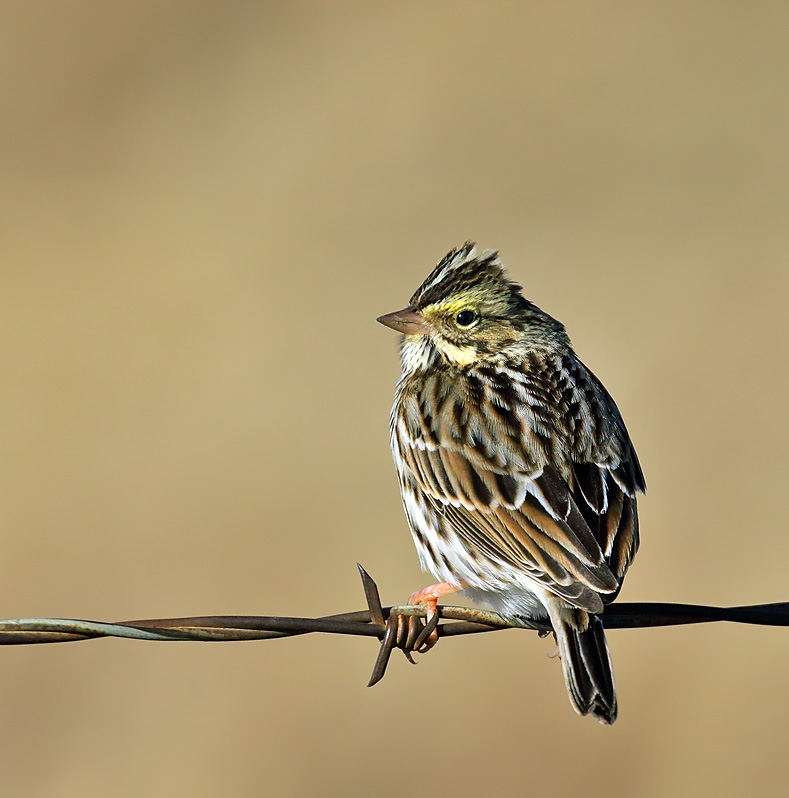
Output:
(556, 654)
(428, 597)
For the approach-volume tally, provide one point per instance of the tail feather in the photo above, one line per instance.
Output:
(585, 662)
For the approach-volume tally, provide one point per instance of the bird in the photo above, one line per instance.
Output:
(517, 474)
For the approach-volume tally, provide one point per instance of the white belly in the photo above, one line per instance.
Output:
(494, 584)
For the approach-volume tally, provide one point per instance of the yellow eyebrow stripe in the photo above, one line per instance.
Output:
(452, 306)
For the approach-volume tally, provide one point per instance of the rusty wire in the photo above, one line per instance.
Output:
(401, 627)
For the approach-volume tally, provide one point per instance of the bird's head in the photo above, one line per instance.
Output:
(467, 312)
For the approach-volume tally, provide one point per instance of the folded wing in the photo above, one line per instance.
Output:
(571, 527)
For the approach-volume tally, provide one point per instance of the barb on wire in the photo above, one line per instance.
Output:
(400, 627)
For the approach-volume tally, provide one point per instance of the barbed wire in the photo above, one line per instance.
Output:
(401, 627)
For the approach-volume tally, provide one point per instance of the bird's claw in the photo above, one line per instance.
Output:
(409, 633)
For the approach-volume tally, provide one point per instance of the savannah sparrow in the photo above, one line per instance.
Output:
(517, 473)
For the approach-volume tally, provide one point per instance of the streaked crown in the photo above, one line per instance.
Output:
(468, 312)
(462, 272)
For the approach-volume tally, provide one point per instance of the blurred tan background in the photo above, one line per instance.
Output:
(204, 206)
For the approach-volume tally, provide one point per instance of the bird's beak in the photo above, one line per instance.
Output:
(408, 321)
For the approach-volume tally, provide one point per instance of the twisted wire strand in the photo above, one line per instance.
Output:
(400, 627)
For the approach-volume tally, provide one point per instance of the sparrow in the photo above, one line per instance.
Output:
(517, 474)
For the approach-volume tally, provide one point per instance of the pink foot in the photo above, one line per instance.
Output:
(428, 598)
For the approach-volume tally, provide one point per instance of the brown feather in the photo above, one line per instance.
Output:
(519, 504)
(517, 471)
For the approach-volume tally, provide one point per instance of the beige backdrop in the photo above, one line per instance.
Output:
(203, 208)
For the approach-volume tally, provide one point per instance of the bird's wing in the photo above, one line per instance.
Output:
(606, 497)
(605, 483)
(493, 481)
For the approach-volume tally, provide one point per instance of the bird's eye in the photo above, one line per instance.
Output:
(465, 318)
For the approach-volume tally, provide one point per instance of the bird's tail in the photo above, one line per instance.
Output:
(585, 661)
